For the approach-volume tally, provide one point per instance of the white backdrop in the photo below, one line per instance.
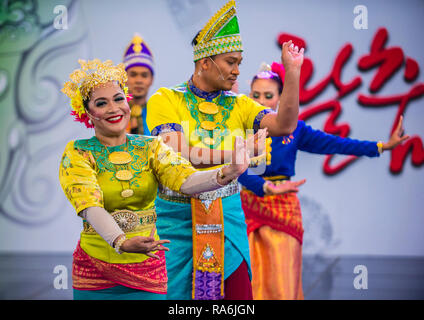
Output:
(362, 210)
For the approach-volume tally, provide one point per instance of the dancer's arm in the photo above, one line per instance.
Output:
(262, 187)
(285, 121)
(205, 157)
(109, 230)
(208, 180)
(316, 141)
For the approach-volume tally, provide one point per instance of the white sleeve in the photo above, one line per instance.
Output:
(201, 181)
(103, 223)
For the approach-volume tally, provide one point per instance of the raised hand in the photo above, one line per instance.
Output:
(397, 136)
(286, 186)
(145, 245)
(291, 56)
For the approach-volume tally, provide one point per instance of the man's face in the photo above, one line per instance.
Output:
(222, 70)
(139, 81)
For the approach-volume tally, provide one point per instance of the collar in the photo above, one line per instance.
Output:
(208, 96)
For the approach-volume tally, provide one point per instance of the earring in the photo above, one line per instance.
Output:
(90, 122)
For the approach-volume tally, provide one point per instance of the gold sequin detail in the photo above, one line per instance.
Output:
(208, 108)
(120, 157)
(208, 125)
(124, 175)
(127, 193)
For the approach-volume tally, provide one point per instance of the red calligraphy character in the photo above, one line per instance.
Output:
(414, 144)
(330, 126)
(389, 60)
(334, 106)
(308, 94)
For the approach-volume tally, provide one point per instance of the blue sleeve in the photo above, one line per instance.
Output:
(252, 182)
(316, 141)
(146, 130)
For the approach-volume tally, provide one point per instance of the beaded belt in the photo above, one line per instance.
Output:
(226, 191)
(128, 221)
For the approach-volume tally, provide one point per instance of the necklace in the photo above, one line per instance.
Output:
(121, 161)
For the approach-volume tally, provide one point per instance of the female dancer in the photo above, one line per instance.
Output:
(111, 180)
(271, 207)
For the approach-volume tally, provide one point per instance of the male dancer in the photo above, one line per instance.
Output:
(200, 118)
(138, 61)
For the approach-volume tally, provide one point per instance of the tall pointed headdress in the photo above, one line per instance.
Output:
(220, 35)
(138, 54)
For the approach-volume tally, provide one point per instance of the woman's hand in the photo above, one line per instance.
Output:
(286, 186)
(291, 56)
(144, 245)
(396, 137)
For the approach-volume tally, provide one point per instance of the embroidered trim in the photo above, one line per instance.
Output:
(259, 117)
(166, 128)
(208, 228)
(226, 103)
(208, 96)
(100, 154)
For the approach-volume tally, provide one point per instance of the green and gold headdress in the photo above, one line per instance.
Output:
(220, 35)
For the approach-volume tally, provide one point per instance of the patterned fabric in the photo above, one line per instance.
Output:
(281, 212)
(276, 265)
(236, 114)
(89, 273)
(175, 223)
(138, 54)
(220, 35)
(88, 179)
(258, 119)
(208, 251)
(208, 96)
(166, 128)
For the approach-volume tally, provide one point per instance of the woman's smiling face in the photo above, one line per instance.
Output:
(109, 109)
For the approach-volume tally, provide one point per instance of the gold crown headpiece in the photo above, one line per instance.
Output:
(92, 74)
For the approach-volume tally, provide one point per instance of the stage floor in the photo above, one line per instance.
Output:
(32, 277)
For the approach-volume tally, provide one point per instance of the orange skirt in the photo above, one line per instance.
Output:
(276, 260)
(275, 231)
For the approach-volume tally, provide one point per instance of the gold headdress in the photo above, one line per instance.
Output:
(92, 73)
(220, 35)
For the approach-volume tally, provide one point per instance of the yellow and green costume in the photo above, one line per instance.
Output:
(93, 175)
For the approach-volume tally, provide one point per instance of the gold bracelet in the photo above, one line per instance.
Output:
(380, 147)
(119, 243)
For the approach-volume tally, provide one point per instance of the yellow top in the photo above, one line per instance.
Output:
(89, 179)
(179, 109)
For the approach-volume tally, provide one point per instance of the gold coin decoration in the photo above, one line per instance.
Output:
(208, 141)
(208, 108)
(136, 110)
(124, 175)
(127, 193)
(120, 157)
(208, 125)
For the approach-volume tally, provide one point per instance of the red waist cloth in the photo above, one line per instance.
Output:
(89, 273)
(280, 212)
